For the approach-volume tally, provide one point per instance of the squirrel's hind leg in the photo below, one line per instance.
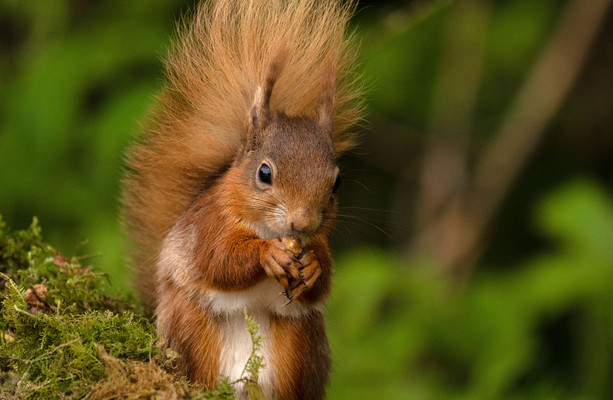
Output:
(300, 356)
(193, 332)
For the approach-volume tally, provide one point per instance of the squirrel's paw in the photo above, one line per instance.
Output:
(280, 264)
(309, 271)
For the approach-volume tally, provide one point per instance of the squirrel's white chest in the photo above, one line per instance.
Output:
(262, 301)
(237, 347)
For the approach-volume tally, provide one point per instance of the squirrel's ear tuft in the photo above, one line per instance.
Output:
(325, 106)
(260, 112)
(259, 116)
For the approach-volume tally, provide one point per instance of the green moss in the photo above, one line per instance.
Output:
(53, 313)
(61, 336)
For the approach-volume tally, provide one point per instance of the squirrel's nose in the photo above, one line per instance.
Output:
(303, 221)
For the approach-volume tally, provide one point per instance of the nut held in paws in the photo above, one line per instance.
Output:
(292, 245)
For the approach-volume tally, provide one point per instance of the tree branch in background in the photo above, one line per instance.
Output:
(444, 170)
(455, 234)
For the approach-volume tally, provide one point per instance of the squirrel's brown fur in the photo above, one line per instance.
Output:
(220, 57)
(240, 154)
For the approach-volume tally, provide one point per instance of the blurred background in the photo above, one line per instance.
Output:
(474, 255)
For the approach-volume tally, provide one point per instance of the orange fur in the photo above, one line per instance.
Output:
(250, 84)
(195, 335)
(302, 359)
(213, 70)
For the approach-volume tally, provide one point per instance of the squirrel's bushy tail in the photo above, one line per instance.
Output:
(218, 60)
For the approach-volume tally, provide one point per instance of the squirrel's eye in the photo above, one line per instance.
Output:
(265, 174)
(337, 184)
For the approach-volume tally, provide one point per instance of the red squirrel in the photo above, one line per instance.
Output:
(230, 194)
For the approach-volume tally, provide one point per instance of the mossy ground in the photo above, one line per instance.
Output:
(61, 336)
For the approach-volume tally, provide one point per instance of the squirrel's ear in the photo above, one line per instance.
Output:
(259, 116)
(325, 106)
(260, 112)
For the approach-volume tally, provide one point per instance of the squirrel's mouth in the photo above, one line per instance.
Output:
(272, 229)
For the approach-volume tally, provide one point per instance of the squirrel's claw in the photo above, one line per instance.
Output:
(290, 297)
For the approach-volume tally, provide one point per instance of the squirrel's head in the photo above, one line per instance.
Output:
(287, 170)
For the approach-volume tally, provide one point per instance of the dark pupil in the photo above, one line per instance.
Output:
(337, 184)
(265, 174)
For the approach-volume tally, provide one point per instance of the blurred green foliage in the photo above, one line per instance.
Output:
(533, 322)
(77, 78)
(403, 333)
